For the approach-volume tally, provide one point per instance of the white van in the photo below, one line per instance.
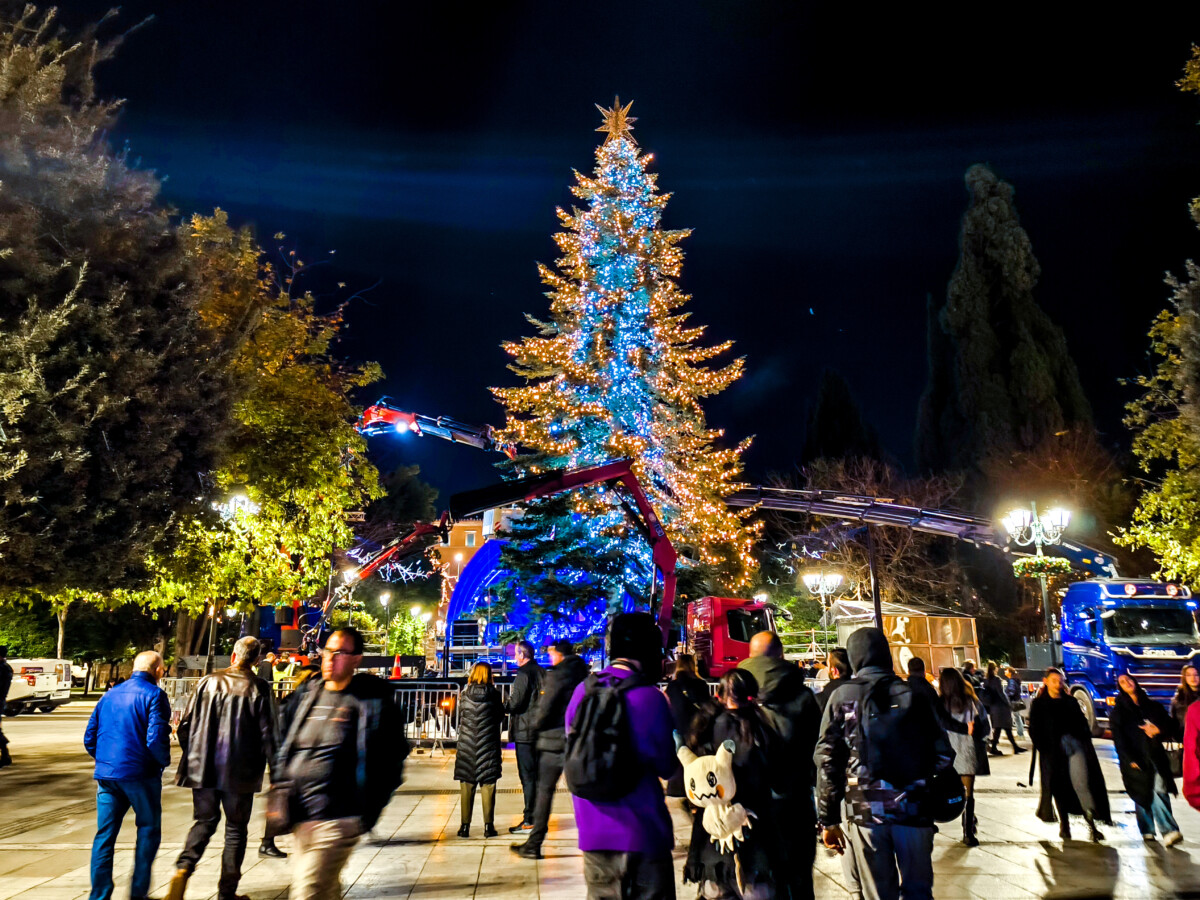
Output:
(38, 684)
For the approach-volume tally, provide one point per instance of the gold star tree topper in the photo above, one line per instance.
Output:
(618, 122)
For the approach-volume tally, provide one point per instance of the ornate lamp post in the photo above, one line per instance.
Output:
(1025, 527)
(823, 585)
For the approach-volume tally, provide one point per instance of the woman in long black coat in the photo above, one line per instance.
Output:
(1070, 772)
(480, 712)
(1139, 726)
(687, 693)
(995, 697)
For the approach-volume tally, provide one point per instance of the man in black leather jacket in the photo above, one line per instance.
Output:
(227, 734)
(550, 725)
(522, 708)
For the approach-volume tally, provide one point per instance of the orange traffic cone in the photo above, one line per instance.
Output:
(396, 667)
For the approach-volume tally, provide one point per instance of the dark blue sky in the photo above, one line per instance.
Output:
(817, 151)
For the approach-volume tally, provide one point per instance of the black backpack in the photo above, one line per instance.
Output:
(601, 762)
(897, 728)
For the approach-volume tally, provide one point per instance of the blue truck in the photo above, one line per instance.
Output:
(1115, 626)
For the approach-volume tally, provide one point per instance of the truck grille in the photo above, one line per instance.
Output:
(1157, 681)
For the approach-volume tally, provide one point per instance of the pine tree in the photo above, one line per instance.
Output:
(835, 428)
(616, 371)
(113, 398)
(1000, 376)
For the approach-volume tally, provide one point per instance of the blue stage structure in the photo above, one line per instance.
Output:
(472, 597)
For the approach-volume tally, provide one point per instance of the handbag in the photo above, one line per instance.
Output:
(1175, 758)
(279, 808)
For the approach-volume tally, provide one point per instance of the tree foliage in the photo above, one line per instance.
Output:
(1001, 378)
(913, 568)
(835, 427)
(293, 452)
(113, 396)
(1165, 420)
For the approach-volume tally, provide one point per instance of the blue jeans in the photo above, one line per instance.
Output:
(113, 800)
(1158, 814)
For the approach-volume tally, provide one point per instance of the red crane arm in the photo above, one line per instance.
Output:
(401, 546)
(383, 417)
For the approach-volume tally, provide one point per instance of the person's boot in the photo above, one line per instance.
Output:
(489, 830)
(5, 759)
(464, 830)
(969, 824)
(268, 850)
(1064, 829)
(526, 850)
(178, 884)
(1097, 837)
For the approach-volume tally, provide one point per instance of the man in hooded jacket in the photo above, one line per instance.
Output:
(792, 711)
(889, 828)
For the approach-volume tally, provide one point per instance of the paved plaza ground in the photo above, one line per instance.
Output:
(48, 815)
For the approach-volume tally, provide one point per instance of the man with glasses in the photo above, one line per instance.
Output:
(343, 756)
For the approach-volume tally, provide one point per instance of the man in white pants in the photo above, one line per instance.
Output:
(343, 754)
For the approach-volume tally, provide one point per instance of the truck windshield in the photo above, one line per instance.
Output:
(746, 623)
(1151, 625)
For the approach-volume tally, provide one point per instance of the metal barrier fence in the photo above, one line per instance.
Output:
(429, 709)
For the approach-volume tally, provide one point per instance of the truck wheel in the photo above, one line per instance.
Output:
(49, 707)
(1084, 699)
(11, 711)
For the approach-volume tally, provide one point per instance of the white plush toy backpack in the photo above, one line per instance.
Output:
(709, 783)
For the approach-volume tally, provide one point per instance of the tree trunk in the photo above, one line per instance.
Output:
(62, 629)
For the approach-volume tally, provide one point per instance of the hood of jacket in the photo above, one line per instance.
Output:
(868, 648)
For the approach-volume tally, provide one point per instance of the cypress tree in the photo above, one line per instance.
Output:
(835, 428)
(1000, 376)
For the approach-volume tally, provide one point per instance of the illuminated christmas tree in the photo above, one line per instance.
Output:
(614, 372)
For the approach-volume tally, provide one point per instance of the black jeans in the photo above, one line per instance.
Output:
(207, 804)
(611, 875)
(550, 766)
(527, 769)
(792, 847)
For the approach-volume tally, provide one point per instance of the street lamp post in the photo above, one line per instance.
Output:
(1026, 527)
(823, 585)
(387, 619)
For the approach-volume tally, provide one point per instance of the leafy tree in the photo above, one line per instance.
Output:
(293, 465)
(913, 568)
(1000, 376)
(835, 427)
(406, 499)
(1165, 420)
(616, 371)
(113, 394)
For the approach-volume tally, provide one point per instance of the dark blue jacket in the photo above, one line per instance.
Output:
(129, 733)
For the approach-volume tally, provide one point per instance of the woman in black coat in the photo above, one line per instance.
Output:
(480, 712)
(995, 697)
(1139, 726)
(754, 866)
(1070, 772)
(687, 693)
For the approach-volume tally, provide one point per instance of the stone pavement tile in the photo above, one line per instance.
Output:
(451, 871)
(47, 892)
(972, 887)
(393, 872)
(505, 877)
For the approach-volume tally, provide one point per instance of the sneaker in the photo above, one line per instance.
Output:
(525, 851)
(523, 828)
(270, 851)
(1149, 839)
(1171, 838)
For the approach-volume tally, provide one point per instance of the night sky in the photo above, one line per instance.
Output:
(817, 150)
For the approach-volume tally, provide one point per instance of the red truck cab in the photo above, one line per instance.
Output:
(718, 631)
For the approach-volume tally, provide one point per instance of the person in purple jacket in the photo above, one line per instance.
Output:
(129, 736)
(627, 843)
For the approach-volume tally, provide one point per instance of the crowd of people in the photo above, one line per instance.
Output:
(866, 767)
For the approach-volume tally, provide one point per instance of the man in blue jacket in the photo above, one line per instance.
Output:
(129, 736)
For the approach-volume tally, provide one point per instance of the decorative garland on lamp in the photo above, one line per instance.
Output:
(1037, 566)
